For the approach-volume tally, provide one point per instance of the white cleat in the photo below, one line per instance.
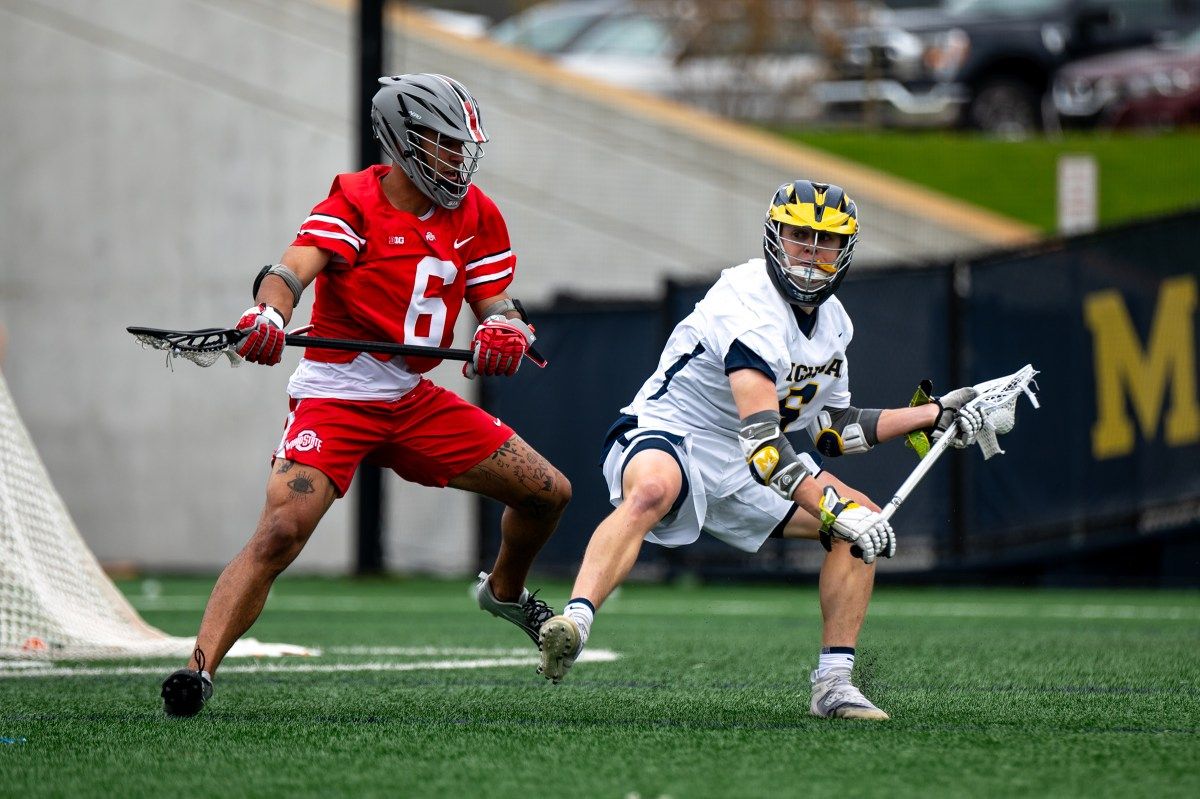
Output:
(559, 642)
(835, 697)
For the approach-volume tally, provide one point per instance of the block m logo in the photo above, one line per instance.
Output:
(1125, 369)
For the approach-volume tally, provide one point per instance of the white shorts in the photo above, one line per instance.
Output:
(736, 510)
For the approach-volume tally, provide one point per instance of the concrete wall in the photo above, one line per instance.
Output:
(157, 153)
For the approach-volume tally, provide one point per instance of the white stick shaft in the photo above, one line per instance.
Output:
(924, 466)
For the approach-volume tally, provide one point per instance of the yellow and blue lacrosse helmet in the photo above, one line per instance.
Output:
(831, 217)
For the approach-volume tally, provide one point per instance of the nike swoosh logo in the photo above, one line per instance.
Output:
(458, 243)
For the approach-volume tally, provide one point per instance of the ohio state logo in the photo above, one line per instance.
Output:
(304, 441)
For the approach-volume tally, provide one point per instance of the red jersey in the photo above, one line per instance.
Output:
(398, 277)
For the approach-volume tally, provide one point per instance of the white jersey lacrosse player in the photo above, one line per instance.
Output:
(718, 439)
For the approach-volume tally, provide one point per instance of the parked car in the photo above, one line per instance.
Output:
(552, 28)
(719, 56)
(987, 64)
(1148, 86)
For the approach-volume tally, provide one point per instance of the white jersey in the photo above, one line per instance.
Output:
(690, 391)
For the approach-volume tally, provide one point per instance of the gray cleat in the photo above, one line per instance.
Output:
(528, 613)
(559, 642)
(835, 697)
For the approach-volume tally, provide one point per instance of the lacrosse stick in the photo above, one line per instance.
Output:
(205, 347)
(997, 400)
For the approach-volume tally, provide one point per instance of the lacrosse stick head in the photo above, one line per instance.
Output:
(997, 401)
(201, 347)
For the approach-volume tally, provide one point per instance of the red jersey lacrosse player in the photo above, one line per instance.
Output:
(395, 251)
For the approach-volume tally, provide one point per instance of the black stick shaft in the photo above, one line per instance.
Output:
(382, 347)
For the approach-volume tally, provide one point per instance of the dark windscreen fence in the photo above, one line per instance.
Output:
(1110, 464)
(1111, 321)
(599, 354)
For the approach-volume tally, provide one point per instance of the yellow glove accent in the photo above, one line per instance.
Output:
(831, 505)
(918, 440)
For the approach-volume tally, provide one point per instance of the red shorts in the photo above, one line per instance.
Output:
(428, 436)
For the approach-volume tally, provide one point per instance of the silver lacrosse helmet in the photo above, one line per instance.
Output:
(828, 219)
(431, 127)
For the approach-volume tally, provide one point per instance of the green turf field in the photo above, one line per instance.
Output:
(993, 693)
(1142, 174)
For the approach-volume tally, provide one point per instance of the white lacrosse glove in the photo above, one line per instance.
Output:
(953, 413)
(845, 519)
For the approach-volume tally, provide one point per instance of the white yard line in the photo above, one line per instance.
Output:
(30, 669)
(701, 607)
(425, 651)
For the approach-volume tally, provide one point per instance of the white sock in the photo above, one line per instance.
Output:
(838, 659)
(580, 611)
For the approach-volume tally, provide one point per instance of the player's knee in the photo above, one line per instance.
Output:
(562, 493)
(652, 496)
(548, 502)
(278, 541)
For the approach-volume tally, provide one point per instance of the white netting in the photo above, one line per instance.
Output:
(200, 357)
(998, 401)
(55, 600)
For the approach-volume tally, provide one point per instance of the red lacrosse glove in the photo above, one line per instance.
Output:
(498, 345)
(264, 344)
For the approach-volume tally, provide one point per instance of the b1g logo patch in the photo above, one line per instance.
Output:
(304, 441)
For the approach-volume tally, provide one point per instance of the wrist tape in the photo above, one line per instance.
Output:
(289, 277)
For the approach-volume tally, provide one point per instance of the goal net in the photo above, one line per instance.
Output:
(55, 600)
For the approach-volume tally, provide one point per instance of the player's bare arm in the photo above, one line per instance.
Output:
(481, 308)
(895, 422)
(277, 290)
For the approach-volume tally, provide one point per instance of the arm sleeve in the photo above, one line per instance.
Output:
(741, 356)
(738, 332)
(866, 418)
(334, 225)
(490, 262)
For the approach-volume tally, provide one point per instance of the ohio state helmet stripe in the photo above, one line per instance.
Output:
(469, 113)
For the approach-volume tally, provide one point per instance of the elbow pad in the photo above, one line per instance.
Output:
(770, 456)
(845, 431)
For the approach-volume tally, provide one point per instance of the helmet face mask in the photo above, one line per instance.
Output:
(808, 240)
(443, 161)
(430, 126)
(809, 258)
